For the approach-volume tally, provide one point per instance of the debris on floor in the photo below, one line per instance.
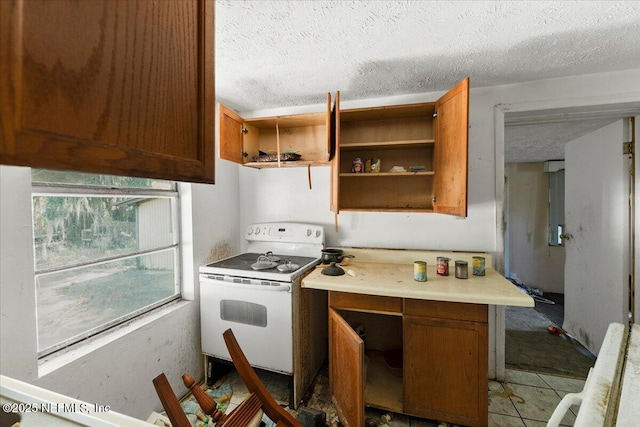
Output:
(534, 293)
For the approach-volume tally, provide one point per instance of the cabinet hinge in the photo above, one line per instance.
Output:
(244, 130)
(435, 115)
(627, 147)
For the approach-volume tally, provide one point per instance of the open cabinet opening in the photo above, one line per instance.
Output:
(383, 358)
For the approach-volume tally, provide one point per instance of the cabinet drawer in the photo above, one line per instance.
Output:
(446, 310)
(372, 303)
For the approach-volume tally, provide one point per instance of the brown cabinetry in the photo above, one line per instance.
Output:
(276, 141)
(444, 353)
(426, 141)
(109, 87)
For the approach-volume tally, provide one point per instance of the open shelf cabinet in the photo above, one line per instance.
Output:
(243, 140)
(431, 138)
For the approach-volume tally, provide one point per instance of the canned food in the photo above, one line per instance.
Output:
(356, 165)
(478, 266)
(442, 267)
(462, 269)
(420, 271)
(375, 165)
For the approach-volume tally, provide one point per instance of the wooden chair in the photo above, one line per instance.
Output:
(248, 413)
(270, 407)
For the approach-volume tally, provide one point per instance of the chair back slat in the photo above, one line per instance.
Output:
(273, 410)
(170, 402)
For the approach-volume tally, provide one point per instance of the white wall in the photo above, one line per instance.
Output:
(531, 259)
(117, 373)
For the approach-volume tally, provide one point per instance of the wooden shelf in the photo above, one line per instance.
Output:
(288, 164)
(387, 144)
(284, 122)
(379, 209)
(382, 389)
(385, 174)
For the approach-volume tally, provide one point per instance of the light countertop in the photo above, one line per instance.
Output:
(395, 279)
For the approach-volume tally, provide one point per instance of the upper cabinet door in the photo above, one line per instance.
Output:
(450, 152)
(346, 370)
(335, 156)
(114, 87)
(231, 147)
(329, 127)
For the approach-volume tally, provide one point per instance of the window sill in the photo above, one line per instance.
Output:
(55, 361)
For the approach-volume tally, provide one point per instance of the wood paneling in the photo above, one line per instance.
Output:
(451, 158)
(230, 135)
(446, 310)
(309, 338)
(335, 161)
(371, 303)
(446, 373)
(112, 87)
(346, 371)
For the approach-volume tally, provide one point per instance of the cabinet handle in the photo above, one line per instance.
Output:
(244, 130)
(434, 199)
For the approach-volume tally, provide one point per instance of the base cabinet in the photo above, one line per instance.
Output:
(346, 370)
(444, 352)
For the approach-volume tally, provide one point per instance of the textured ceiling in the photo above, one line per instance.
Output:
(273, 54)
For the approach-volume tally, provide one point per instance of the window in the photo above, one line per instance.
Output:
(106, 250)
(556, 208)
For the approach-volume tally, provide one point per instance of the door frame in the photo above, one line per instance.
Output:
(591, 107)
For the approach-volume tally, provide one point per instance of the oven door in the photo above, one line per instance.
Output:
(259, 315)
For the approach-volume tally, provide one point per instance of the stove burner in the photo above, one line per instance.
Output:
(256, 264)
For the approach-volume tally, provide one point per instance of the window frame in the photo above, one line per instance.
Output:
(43, 189)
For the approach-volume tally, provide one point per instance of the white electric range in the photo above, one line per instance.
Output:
(253, 294)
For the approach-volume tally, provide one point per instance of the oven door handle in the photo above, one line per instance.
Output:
(284, 287)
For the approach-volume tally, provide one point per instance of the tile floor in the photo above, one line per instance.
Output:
(524, 399)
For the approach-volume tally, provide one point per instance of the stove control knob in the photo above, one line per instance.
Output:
(317, 233)
(257, 231)
(249, 231)
(308, 232)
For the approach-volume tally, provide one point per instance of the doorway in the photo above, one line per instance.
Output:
(537, 267)
(528, 259)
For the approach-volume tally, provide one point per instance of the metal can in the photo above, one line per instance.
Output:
(478, 266)
(462, 270)
(356, 165)
(375, 165)
(442, 267)
(420, 271)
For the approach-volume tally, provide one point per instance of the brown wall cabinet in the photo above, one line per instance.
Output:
(428, 140)
(266, 141)
(444, 353)
(112, 87)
